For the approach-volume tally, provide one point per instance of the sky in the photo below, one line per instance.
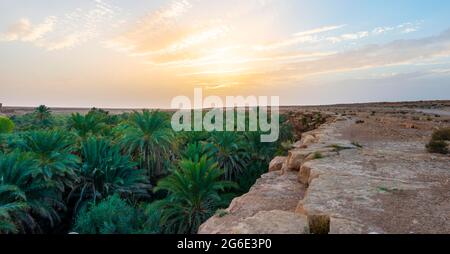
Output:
(137, 53)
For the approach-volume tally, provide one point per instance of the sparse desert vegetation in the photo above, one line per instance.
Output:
(439, 142)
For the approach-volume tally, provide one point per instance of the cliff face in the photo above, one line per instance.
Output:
(348, 176)
(271, 205)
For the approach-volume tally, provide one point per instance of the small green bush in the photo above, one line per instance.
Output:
(317, 156)
(437, 143)
(221, 213)
(111, 216)
(6, 125)
(437, 146)
(441, 134)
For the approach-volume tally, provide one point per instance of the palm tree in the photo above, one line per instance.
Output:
(87, 125)
(104, 171)
(150, 137)
(9, 206)
(259, 151)
(25, 197)
(193, 195)
(230, 153)
(259, 154)
(43, 115)
(195, 151)
(53, 152)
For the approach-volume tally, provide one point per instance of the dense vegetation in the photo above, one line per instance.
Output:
(130, 173)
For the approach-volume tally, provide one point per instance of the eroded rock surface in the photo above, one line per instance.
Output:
(272, 192)
(277, 163)
(359, 173)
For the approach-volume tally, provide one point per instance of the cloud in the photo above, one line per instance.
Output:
(181, 32)
(371, 57)
(407, 27)
(399, 52)
(382, 30)
(409, 30)
(195, 38)
(67, 41)
(67, 30)
(348, 36)
(313, 35)
(154, 27)
(300, 37)
(217, 52)
(24, 30)
(319, 30)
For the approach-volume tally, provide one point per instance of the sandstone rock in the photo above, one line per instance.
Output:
(277, 163)
(300, 209)
(308, 139)
(345, 226)
(299, 145)
(390, 185)
(304, 174)
(296, 158)
(273, 222)
(410, 126)
(272, 192)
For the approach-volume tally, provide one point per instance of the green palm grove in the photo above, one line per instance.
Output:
(121, 174)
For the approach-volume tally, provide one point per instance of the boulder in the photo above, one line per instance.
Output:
(303, 174)
(267, 208)
(277, 163)
(410, 126)
(299, 145)
(296, 158)
(308, 139)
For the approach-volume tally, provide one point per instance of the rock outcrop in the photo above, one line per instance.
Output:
(273, 193)
(277, 163)
(329, 183)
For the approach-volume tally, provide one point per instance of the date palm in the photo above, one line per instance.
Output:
(229, 150)
(53, 152)
(26, 199)
(86, 125)
(259, 151)
(42, 112)
(193, 195)
(43, 117)
(11, 203)
(105, 171)
(150, 137)
(195, 151)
